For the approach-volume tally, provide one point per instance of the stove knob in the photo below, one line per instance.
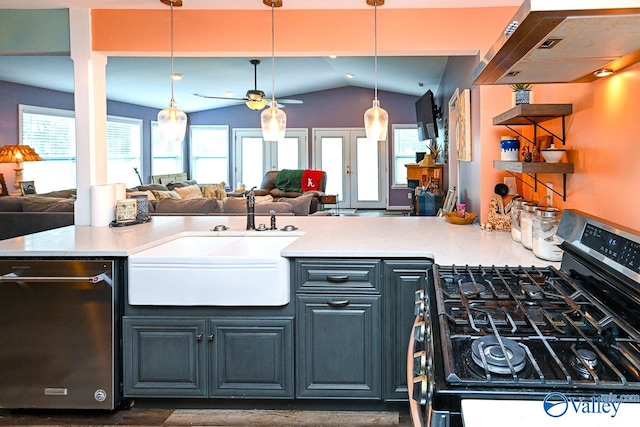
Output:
(420, 389)
(420, 363)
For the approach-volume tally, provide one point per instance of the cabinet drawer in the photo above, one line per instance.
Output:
(344, 275)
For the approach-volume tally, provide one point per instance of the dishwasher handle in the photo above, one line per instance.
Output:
(12, 278)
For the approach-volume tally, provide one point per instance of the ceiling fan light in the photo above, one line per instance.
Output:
(376, 121)
(274, 123)
(257, 104)
(172, 124)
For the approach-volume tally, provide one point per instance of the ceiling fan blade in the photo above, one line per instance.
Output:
(220, 97)
(290, 101)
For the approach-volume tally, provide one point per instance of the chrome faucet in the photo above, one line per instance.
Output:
(251, 203)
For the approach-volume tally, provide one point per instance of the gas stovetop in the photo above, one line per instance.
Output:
(534, 327)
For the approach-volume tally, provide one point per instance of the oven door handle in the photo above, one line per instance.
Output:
(12, 278)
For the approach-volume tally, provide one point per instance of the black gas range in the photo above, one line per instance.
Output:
(533, 333)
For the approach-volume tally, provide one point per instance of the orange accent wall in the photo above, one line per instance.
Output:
(299, 32)
(603, 136)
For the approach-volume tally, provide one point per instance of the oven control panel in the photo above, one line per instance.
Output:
(617, 248)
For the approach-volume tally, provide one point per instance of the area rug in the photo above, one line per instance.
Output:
(258, 417)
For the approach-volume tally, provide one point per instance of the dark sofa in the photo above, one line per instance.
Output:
(20, 215)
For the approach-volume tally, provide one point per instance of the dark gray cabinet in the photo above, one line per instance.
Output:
(208, 357)
(164, 357)
(339, 325)
(401, 280)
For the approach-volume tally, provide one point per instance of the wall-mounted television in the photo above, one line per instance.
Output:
(426, 115)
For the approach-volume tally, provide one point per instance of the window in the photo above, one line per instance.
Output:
(405, 146)
(166, 157)
(209, 148)
(52, 134)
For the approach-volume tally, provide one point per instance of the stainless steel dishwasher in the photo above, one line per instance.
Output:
(59, 333)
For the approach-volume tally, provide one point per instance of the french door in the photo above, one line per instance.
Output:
(356, 167)
(253, 157)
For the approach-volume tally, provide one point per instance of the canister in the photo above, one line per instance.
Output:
(526, 224)
(545, 242)
(516, 210)
(126, 210)
(510, 148)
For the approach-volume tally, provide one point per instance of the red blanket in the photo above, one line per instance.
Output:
(311, 180)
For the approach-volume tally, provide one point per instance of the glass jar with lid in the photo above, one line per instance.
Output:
(526, 224)
(516, 210)
(545, 241)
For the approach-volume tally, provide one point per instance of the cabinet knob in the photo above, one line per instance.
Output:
(341, 303)
(199, 337)
(210, 337)
(338, 278)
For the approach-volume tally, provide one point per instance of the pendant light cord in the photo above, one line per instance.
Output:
(375, 50)
(273, 53)
(171, 76)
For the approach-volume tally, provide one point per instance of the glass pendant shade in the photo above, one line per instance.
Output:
(376, 122)
(274, 123)
(172, 124)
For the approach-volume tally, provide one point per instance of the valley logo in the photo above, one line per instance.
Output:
(557, 404)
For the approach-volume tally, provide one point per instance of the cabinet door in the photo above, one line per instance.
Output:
(338, 346)
(402, 280)
(251, 357)
(164, 357)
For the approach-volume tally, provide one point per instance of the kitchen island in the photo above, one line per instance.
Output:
(340, 337)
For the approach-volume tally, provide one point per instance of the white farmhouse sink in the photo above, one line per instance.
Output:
(212, 271)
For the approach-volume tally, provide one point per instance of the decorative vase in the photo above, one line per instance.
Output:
(521, 97)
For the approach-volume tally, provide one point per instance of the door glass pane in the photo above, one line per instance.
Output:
(288, 154)
(252, 156)
(368, 172)
(209, 153)
(332, 161)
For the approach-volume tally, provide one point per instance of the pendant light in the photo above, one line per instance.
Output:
(273, 119)
(172, 123)
(376, 119)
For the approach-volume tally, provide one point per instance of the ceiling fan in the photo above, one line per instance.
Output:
(255, 98)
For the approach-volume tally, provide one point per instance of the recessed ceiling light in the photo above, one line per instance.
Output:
(176, 76)
(349, 75)
(333, 56)
(603, 72)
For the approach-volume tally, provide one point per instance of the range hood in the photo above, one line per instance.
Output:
(563, 41)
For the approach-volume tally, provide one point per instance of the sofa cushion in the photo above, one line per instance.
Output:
(147, 193)
(11, 204)
(300, 205)
(172, 185)
(47, 204)
(63, 194)
(276, 193)
(189, 192)
(187, 206)
(235, 205)
(151, 187)
(279, 208)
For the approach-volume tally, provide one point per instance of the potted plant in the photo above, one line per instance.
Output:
(522, 94)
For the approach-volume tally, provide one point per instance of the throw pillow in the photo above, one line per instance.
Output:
(300, 205)
(159, 195)
(189, 192)
(311, 180)
(147, 193)
(217, 191)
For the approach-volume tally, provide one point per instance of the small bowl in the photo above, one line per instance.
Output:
(453, 218)
(553, 155)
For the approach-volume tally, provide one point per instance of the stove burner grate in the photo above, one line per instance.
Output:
(584, 360)
(487, 353)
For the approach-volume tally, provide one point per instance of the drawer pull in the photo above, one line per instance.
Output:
(341, 303)
(338, 279)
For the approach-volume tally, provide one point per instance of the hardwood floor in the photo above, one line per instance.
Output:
(151, 417)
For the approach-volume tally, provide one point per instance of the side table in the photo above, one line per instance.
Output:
(331, 199)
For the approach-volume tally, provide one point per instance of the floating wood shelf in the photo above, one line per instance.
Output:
(528, 114)
(533, 167)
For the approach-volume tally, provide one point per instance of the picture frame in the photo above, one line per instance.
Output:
(27, 188)
(460, 124)
(3, 186)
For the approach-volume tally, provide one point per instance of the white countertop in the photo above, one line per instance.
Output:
(321, 236)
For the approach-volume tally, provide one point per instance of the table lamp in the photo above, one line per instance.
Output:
(18, 154)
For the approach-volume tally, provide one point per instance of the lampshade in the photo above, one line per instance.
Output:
(274, 123)
(376, 119)
(18, 153)
(273, 119)
(172, 123)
